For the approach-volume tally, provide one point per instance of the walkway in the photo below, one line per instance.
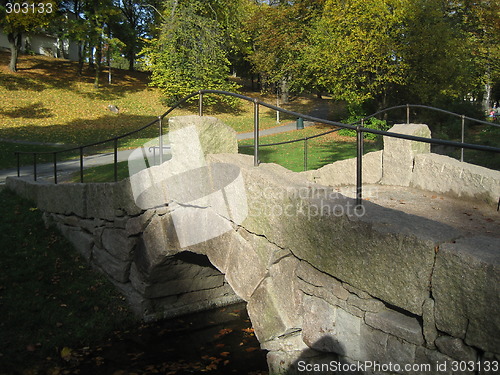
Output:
(64, 168)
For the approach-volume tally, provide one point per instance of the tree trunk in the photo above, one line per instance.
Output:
(91, 56)
(285, 91)
(15, 39)
(81, 47)
(131, 61)
(487, 97)
(98, 59)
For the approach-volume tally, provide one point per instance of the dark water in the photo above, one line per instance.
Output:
(220, 341)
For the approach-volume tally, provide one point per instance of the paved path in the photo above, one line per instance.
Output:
(65, 169)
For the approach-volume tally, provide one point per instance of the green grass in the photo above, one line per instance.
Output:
(49, 297)
(321, 151)
(102, 173)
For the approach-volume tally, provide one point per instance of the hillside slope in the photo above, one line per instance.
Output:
(46, 101)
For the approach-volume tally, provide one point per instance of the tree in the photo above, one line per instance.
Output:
(279, 36)
(98, 14)
(31, 16)
(480, 22)
(191, 52)
(354, 49)
(132, 26)
(437, 52)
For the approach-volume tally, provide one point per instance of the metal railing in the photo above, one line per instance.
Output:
(358, 127)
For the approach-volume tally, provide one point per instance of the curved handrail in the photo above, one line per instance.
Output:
(356, 126)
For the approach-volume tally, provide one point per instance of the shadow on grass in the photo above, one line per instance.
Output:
(31, 111)
(37, 73)
(83, 131)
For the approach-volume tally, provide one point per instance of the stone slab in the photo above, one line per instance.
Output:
(118, 244)
(117, 269)
(399, 154)
(343, 172)
(466, 290)
(456, 348)
(445, 175)
(403, 326)
(82, 241)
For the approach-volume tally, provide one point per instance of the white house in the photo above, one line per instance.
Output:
(44, 44)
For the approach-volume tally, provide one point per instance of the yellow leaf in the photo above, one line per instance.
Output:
(66, 353)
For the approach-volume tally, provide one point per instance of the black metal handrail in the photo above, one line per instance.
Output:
(356, 126)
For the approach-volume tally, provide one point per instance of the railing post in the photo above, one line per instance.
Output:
(407, 113)
(305, 153)
(18, 164)
(115, 161)
(55, 168)
(200, 105)
(81, 165)
(463, 139)
(255, 133)
(34, 166)
(359, 165)
(160, 139)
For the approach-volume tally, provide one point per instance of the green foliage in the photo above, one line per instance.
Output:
(372, 123)
(353, 53)
(436, 51)
(280, 36)
(188, 56)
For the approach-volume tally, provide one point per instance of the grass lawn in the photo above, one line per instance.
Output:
(321, 151)
(49, 298)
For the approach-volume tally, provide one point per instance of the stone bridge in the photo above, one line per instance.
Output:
(412, 277)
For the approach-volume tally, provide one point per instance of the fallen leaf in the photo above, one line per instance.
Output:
(224, 354)
(251, 349)
(66, 353)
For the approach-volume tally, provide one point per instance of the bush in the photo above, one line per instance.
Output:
(372, 123)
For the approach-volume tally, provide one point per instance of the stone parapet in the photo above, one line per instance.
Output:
(445, 175)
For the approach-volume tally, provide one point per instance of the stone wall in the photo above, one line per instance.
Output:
(326, 284)
(409, 163)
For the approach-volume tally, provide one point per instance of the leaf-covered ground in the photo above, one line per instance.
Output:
(58, 316)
